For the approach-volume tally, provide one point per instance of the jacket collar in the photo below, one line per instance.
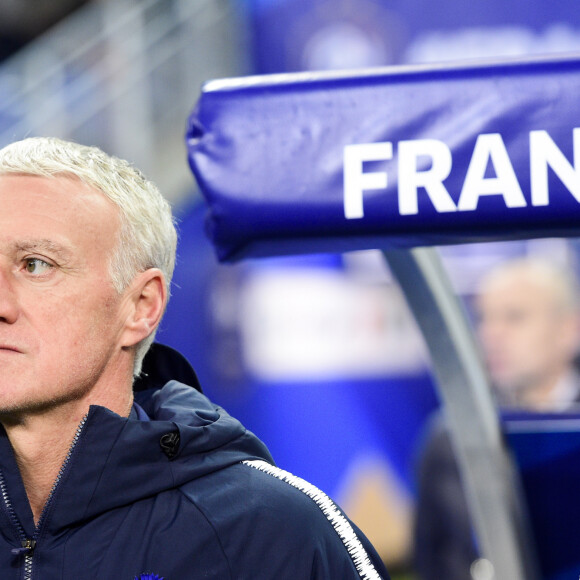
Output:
(118, 460)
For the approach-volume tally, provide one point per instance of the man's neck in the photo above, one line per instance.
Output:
(41, 442)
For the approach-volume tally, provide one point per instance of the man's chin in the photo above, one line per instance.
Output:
(13, 411)
(507, 389)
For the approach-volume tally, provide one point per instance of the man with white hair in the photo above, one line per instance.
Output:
(527, 312)
(107, 472)
(528, 328)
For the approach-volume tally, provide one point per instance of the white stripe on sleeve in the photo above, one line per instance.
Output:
(341, 525)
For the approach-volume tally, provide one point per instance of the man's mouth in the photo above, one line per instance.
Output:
(9, 348)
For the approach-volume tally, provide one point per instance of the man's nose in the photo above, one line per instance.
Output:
(8, 299)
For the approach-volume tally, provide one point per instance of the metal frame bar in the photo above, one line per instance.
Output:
(491, 481)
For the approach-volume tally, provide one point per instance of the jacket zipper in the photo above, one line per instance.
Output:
(29, 544)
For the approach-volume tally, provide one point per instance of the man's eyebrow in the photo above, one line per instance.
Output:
(44, 245)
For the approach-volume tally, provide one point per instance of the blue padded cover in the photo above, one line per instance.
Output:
(403, 156)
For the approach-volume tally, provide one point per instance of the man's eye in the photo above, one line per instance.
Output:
(37, 266)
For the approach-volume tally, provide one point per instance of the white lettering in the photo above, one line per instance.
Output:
(490, 148)
(356, 181)
(410, 178)
(543, 153)
(427, 163)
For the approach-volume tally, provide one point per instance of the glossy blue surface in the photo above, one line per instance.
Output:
(268, 153)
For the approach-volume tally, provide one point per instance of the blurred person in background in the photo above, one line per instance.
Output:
(528, 328)
(527, 325)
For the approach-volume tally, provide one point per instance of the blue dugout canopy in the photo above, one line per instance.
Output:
(398, 159)
(394, 157)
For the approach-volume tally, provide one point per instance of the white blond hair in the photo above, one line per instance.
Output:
(147, 236)
(559, 281)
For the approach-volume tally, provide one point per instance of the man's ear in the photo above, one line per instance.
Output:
(147, 297)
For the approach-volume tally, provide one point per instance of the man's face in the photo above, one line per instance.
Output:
(526, 339)
(60, 318)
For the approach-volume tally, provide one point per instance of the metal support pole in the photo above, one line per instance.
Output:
(492, 485)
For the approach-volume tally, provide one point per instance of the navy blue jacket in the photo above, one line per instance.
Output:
(183, 492)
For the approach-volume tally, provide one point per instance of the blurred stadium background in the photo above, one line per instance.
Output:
(318, 355)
